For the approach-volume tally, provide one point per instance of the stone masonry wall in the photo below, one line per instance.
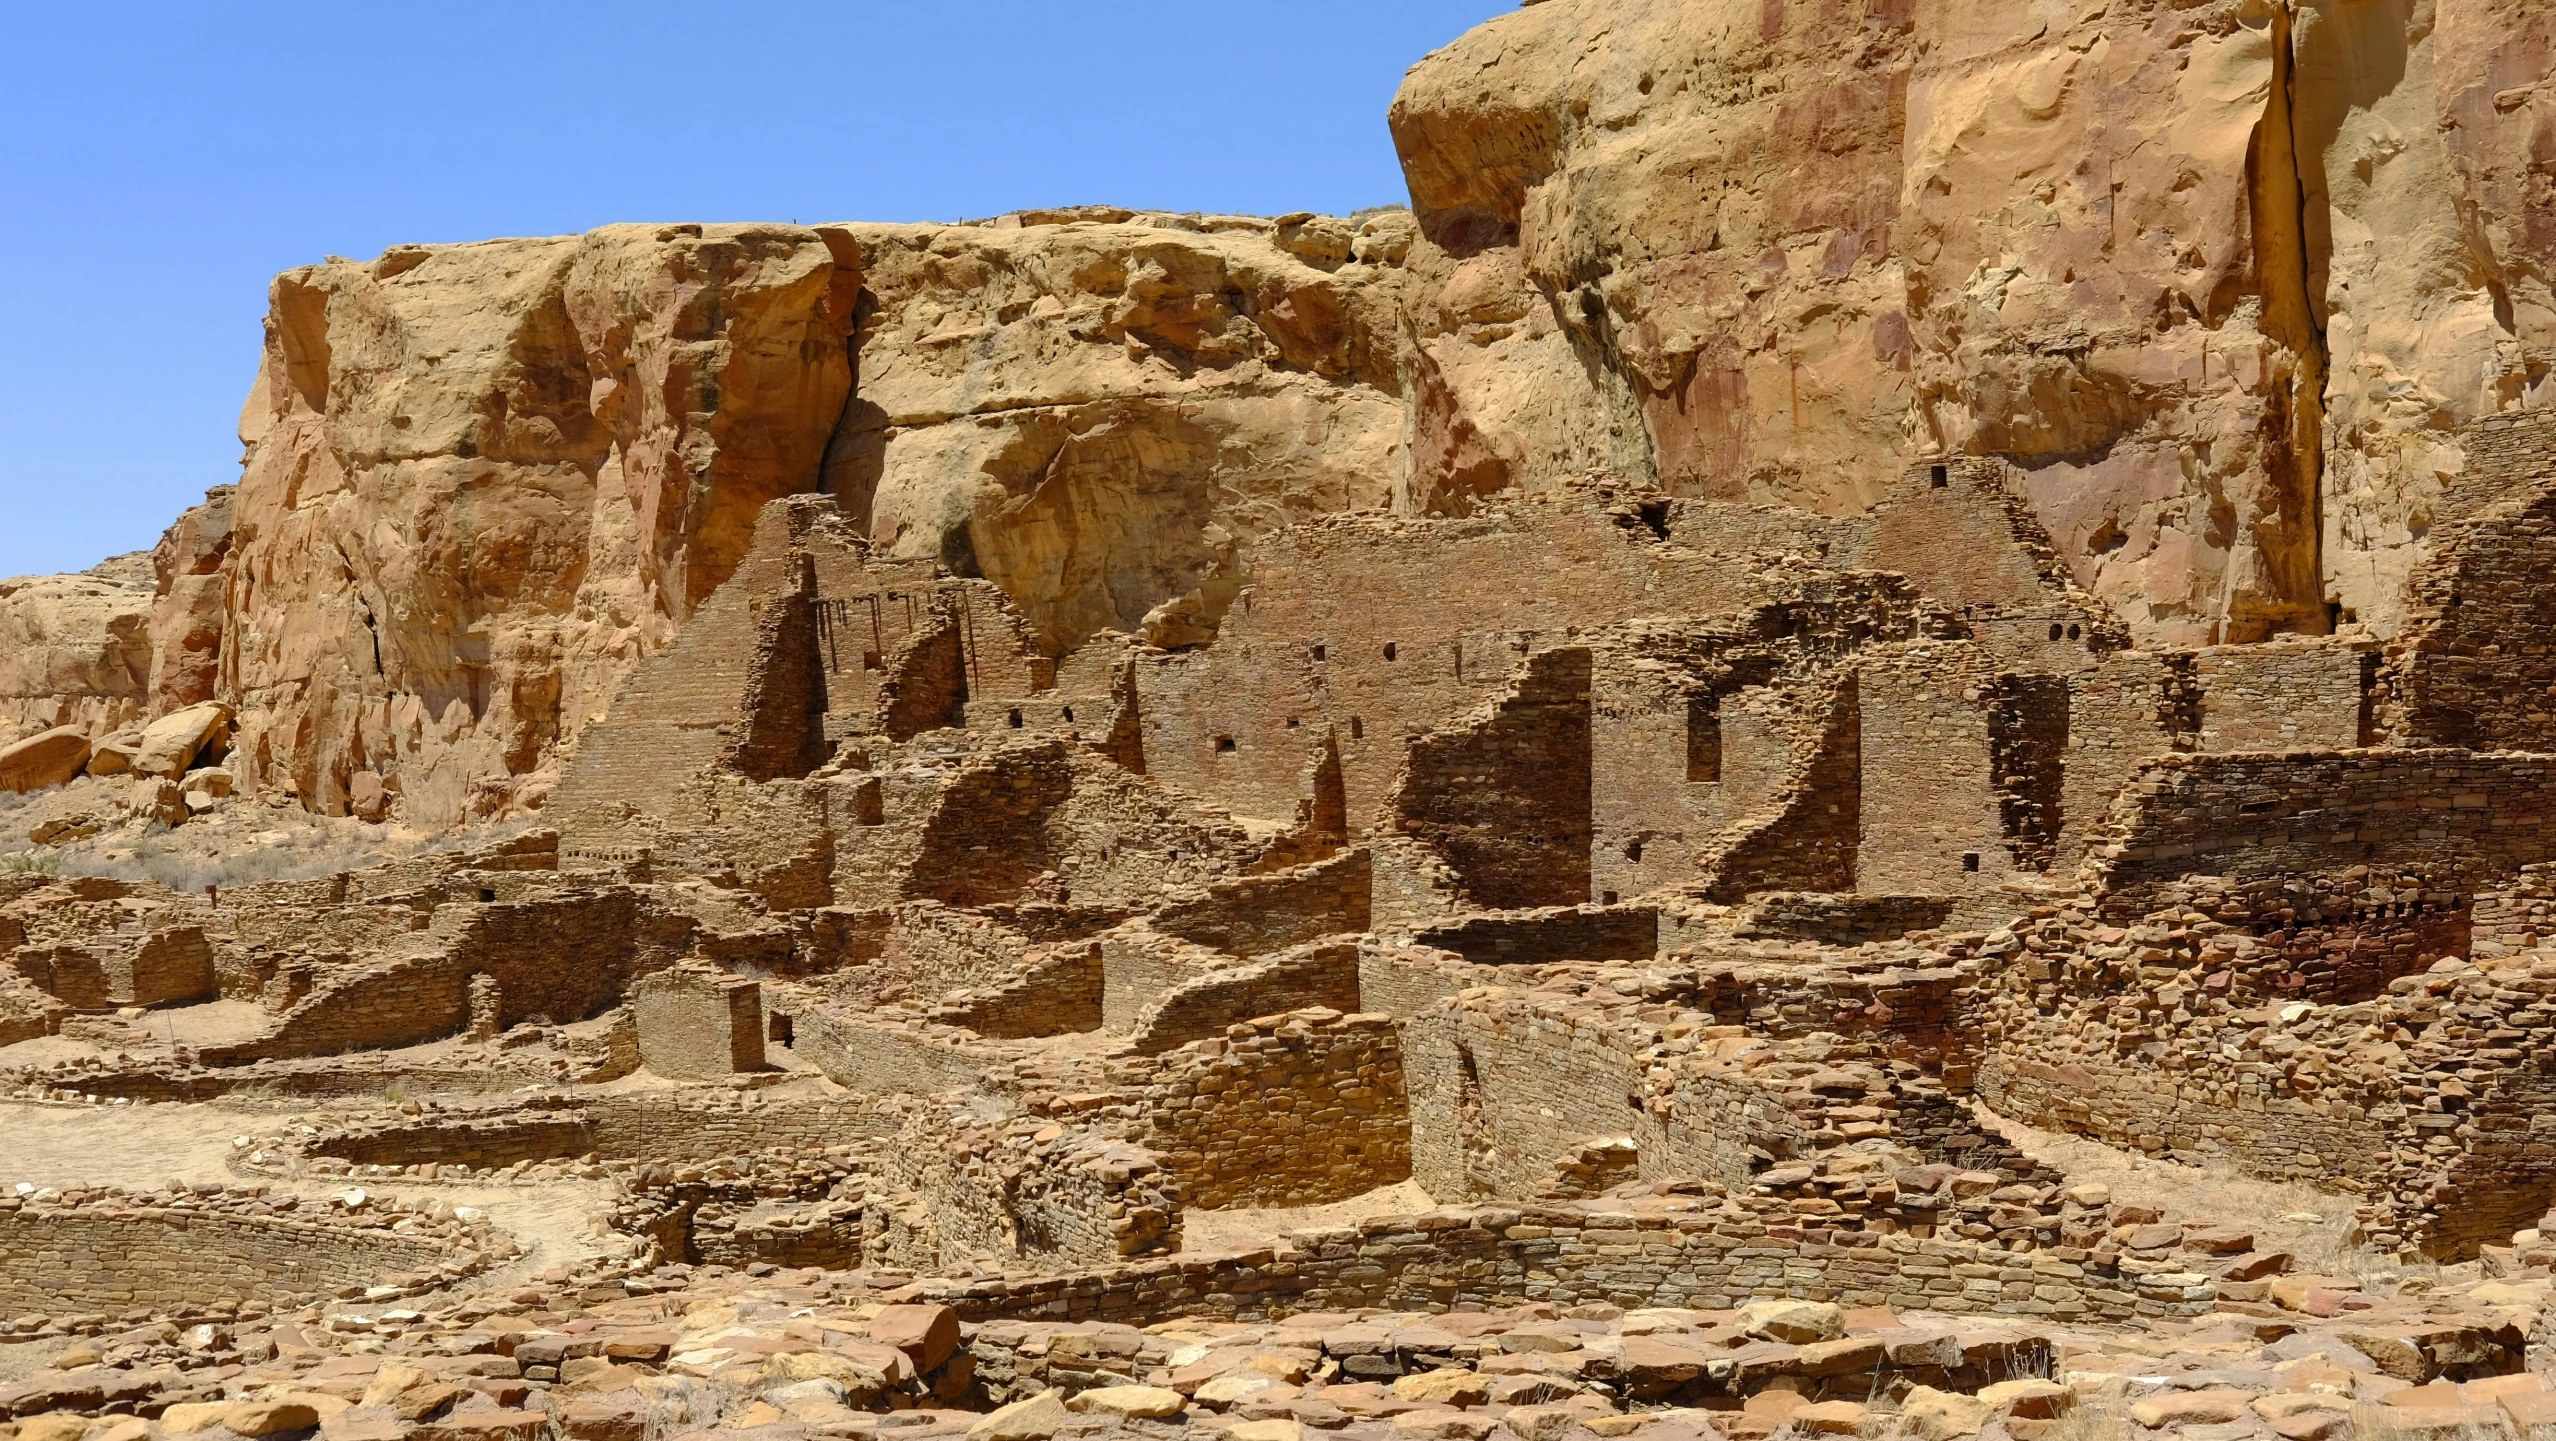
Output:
(1567, 1255)
(1504, 796)
(2463, 822)
(1058, 993)
(176, 1261)
(1254, 915)
(1206, 1005)
(1292, 1110)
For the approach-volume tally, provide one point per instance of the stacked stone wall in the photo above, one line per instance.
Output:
(1548, 936)
(132, 1255)
(1292, 1110)
(2473, 665)
(1058, 993)
(1206, 1005)
(887, 1055)
(1255, 915)
(1595, 1255)
(2459, 820)
(1505, 796)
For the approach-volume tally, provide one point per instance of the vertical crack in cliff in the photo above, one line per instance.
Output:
(2290, 523)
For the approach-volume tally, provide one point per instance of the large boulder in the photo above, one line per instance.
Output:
(75, 650)
(44, 760)
(170, 745)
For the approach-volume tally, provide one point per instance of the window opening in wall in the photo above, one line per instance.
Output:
(1389, 650)
(1292, 723)
(869, 804)
(1069, 712)
(1224, 745)
(487, 896)
(1655, 517)
(870, 661)
(1357, 728)
(2076, 632)
(1016, 720)
(781, 1029)
(1704, 738)
(1606, 898)
(1970, 860)
(1322, 652)
(1942, 476)
(2057, 630)
(1632, 850)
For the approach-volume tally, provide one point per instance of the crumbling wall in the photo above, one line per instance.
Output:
(2296, 695)
(1499, 1095)
(2459, 821)
(1140, 964)
(1049, 817)
(780, 724)
(1210, 1003)
(1288, 1110)
(2403, 1076)
(188, 1260)
(2471, 666)
(966, 1192)
(1544, 937)
(888, 1055)
(1505, 797)
(1057, 993)
(1254, 915)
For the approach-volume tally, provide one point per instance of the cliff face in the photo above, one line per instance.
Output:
(2222, 280)
(482, 478)
(75, 650)
(1099, 411)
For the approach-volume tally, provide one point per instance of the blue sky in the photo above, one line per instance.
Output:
(158, 162)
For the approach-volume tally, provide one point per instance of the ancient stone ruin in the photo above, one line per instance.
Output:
(1858, 740)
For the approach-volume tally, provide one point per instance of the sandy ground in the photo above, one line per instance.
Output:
(1207, 1232)
(148, 1146)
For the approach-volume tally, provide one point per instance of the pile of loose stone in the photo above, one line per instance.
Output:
(777, 1355)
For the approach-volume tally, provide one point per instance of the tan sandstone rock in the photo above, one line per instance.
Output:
(1034, 1419)
(170, 745)
(46, 759)
(2222, 285)
(1100, 410)
(1797, 1322)
(483, 478)
(75, 650)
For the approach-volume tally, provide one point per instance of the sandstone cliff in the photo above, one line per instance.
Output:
(2225, 283)
(75, 650)
(1095, 409)
(482, 478)
(2222, 279)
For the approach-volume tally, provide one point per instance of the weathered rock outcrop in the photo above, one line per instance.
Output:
(483, 478)
(2222, 278)
(1099, 410)
(75, 650)
(186, 619)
